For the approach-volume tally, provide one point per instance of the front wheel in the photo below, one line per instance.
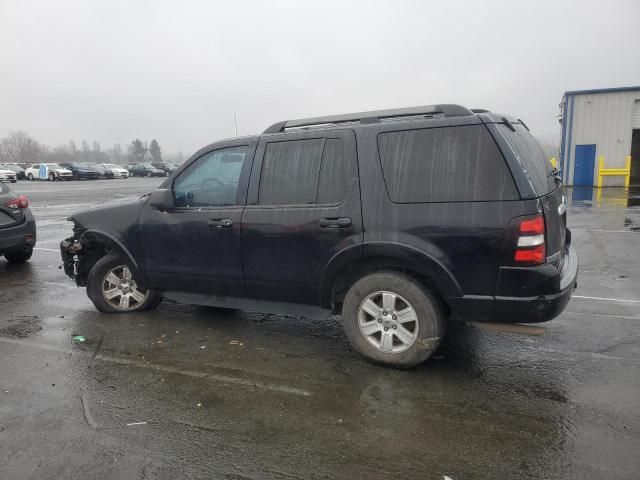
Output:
(30, 177)
(113, 287)
(52, 177)
(391, 319)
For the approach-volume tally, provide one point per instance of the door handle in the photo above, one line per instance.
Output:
(335, 222)
(220, 223)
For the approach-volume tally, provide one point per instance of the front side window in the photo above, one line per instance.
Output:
(212, 180)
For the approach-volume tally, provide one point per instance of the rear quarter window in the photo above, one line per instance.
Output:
(447, 164)
(531, 157)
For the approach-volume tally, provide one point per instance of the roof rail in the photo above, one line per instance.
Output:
(448, 110)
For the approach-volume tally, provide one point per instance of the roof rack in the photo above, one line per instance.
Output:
(448, 110)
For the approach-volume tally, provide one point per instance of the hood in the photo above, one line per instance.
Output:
(6, 172)
(60, 170)
(108, 213)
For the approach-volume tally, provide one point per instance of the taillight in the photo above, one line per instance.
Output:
(16, 203)
(530, 248)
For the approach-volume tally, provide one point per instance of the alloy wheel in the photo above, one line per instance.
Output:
(388, 322)
(121, 291)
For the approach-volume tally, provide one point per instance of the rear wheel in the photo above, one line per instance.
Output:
(112, 287)
(391, 319)
(18, 257)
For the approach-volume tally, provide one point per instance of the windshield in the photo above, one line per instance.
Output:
(532, 158)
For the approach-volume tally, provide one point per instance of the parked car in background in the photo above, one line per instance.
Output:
(82, 170)
(117, 170)
(145, 170)
(401, 220)
(105, 173)
(20, 175)
(7, 175)
(47, 171)
(17, 226)
(167, 167)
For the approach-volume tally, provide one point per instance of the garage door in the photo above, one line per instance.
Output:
(636, 114)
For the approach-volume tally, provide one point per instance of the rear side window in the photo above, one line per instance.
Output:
(332, 186)
(290, 172)
(532, 158)
(449, 164)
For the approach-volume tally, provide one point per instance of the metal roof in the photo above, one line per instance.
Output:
(601, 90)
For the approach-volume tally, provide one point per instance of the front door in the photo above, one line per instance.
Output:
(584, 165)
(303, 210)
(195, 246)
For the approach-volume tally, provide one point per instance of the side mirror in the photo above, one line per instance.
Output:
(161, 199)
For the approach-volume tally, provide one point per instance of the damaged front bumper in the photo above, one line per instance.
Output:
(70, 250)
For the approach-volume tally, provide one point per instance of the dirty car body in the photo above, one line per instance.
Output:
(412, 217)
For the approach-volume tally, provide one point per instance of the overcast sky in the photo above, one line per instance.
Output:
(177, 71)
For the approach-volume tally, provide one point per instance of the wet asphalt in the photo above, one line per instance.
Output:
(192, 392)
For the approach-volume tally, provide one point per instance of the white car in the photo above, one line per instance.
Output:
(118, 171)
(7, 175)
(48, 171)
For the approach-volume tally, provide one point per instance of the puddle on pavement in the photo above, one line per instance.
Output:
(22, 327)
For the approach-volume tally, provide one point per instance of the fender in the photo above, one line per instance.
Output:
(113, 243)
(415, 260)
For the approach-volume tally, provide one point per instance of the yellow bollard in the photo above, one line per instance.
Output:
(617, 172)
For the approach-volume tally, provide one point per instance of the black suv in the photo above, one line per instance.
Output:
(398, 219)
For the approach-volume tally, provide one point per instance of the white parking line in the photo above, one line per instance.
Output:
(606, 299)
(47, 249)
(227, 379)
(601, 230)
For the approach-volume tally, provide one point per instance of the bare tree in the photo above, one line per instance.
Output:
(20, 147)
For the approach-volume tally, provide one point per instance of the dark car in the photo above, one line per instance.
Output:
(17, 226)
(401, 220)
(104, 172)
(167, 167)
(20, 175)
(82, 170)
(144, 170)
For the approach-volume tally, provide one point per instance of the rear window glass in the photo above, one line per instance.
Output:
(532, 158)
(449, 164)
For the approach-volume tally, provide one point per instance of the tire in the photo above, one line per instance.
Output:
(52, 177)
(18, 257)
(421, 336)
(13, 181)
(114, 263)
(166, 174)
(30, 177)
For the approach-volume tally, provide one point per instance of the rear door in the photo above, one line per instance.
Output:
(303, 209)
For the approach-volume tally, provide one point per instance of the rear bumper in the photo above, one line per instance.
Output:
(543, 307)
(524, 294)
(14, 239)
